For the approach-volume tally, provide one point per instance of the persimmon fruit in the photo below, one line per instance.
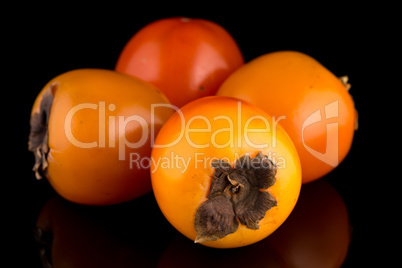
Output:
(186, 58)
(224, 173)
(310, 102)
(86, 125)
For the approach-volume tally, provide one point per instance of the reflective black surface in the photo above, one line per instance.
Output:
(43, 229)
(317, 234)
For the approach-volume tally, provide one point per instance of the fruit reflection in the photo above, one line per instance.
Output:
(317, 234)
(71, 235)
(182, 252)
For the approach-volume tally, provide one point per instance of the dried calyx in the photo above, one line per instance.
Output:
(345, 81)
(38, 136)
(235, 196)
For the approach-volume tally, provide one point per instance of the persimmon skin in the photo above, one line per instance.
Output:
(295, 87)
(185, 58)
(98, 171)
(180, 191)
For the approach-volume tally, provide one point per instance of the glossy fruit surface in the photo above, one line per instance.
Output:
(311, 103)
(185, 58)
(184, 172)
(89, 130)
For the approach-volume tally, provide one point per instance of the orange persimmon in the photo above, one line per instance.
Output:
(224, 173)
(86, 127)
(311, 103)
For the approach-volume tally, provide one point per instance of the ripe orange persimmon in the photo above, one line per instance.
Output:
(88, 127)
(185, 58)
(311, 103)
(224, 173)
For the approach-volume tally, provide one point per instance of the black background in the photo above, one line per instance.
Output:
(45, 43)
